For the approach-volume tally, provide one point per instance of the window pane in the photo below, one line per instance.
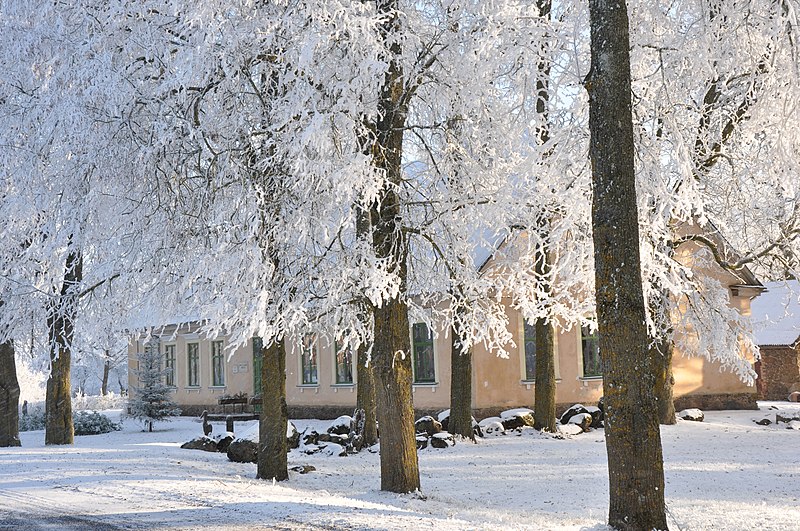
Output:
(193, 364)
(590, 345)
(217, 364)
(344, 365)
(424, 369)
(530, 350)
(309, 360)
(169, 365)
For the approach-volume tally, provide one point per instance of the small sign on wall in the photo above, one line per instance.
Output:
(240, 367)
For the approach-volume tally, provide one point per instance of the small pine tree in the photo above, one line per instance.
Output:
(152, 398)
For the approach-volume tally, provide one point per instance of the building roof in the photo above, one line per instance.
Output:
(776, 314)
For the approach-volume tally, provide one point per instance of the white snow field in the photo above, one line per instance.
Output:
(724, 473)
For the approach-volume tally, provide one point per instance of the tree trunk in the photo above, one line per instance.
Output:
(106, 371)
(544, 414)
(460, 422)
(60, 325)
(272, 447)
(633, 442)
(665, 381)
(9, 396)
(391, 354)
(365, 396)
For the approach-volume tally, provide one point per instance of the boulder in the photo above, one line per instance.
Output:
(569, 429)
(601, 405)
(794, 396)
(223, 440)
(310, 449)
(444, 418)
(692, 414)
(323, 438)
(442, 440)
(340, 439)
(428, 425)
(577, 409)
(243, 451)
(292, 436)
(584, 420)
(341, 426)
(311, 438)
(422, 442)
(763, 422)
(793, 425)
(597, 416)
(787, 416)
(333, 449)
(206, 444)
(513, 419)
(492, 426)
(303, 469)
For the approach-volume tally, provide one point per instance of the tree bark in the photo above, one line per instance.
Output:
(665, 381)
(633, 443)
(60, 324)
(106, 371)
(272, 447)
(365, 396)
(460, 422)
(544, 414)
(391, 352)
(9, 396)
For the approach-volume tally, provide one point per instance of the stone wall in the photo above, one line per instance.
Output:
(779, 371)
(717, 402)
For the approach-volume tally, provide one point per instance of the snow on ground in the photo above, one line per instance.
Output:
(724, 473)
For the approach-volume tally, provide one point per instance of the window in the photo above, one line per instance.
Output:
(169, 365)
(217, 364)
(590, 349)
(529, 332)
(308, 360)
(344, 364)
(193, 359)
(422, 345)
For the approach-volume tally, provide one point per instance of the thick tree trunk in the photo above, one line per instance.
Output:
(272, 447)
(9, 396)
(544, 414)
(633, 442)
(391, 354)
(106, 371)
(392, 368)
(460, 422)
(365, 396)
(60, 325)
(665, 381)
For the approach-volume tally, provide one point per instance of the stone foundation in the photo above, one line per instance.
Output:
(778, 372)
(717, 402)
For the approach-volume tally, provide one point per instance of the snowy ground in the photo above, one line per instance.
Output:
(724, 473)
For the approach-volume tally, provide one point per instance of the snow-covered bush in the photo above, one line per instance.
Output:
(33, 421)
(86, 422)
(93, 423)
(99, 403)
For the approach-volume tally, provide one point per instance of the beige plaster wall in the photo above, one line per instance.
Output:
(238, 369)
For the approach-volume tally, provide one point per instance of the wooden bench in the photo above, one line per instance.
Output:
(233, 401)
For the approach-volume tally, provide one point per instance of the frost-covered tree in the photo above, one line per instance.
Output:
(152, 399)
